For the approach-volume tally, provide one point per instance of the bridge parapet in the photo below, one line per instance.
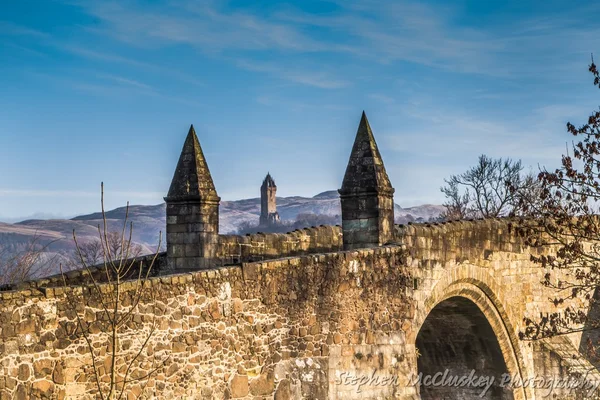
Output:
(288, 326)
(262, 246)
(461, 240)
(298, 327)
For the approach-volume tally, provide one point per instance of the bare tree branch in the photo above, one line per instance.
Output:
(492, 188)
(119, 305)
(570, 223)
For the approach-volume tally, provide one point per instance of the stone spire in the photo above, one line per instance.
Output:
(268, 181)
(365, 170)
(192, 178)
(366, 195)
(192, 211)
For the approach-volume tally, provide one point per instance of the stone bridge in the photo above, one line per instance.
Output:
(350, 312)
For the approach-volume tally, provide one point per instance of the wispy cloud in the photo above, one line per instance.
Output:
(118, 59)
(381, 32)
(27, 50)
(129, 89)
(213, 31)
(277, 101)
(11, 29)
(126, 81)
(319, 79)
(404, 31)
(109, 85)
(450, 132)
(446, 83)
(200, 24)
(103, 56)
(382, 98)
(427, 34)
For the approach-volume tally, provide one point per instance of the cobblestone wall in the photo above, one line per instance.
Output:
(261, 246)
(261, 329)
(340, 325)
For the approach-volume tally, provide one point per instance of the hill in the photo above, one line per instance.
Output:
(149, 220)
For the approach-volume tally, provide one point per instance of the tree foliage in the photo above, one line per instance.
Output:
(570, 223)
(492, 188)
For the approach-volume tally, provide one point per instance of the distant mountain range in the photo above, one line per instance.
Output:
(148, 221)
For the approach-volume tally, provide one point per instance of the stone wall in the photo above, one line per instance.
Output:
(232, 249)
(262, 246)
(338, 325)
(192, 233)
(156, 262)
(367, 219)
(486, 262)
(279, 328)
(486, 253)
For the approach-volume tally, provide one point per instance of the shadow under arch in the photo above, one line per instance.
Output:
(458, 283)
(458, 345)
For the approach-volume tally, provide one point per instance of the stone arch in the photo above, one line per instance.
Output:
(476, 285)
(456, 342)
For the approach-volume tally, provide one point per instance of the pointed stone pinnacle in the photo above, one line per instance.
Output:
(269, 181)
(365, 170)
(192, 179)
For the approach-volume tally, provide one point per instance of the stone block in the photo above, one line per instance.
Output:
(192, 250)
(238, 386)
(178, 250)
(263, 385)
(24, 372)
(177, 228)
(42, 367)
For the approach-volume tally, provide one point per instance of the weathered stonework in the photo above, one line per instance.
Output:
(294, 316)
(192, 211)
(262, 246)
(193, 240)
(268, 202)
(304, 327)
(235, 331)
(366, 195)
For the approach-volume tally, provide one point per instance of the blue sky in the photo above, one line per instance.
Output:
(106, 90)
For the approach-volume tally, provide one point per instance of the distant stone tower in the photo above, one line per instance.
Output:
(366, 195)
(192, 211)
(268, 202)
